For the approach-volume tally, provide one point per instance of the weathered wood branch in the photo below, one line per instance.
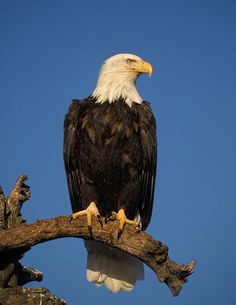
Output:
(151, 252)
(16, 237)
(28, 296)
(12, 274)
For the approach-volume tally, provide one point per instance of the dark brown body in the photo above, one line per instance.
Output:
(110, 157)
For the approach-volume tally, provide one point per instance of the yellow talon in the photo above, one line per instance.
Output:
(89, 212)
(123, 220)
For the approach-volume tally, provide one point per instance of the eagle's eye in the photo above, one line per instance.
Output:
(129, 61)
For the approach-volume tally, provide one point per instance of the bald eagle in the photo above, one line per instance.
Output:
(110, 160)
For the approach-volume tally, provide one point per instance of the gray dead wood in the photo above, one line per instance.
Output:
(17, 237)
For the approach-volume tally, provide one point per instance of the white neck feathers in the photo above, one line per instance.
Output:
(113, 86)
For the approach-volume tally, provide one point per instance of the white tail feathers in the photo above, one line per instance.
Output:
(117, 270)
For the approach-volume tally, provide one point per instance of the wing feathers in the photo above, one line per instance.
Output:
(149, 145)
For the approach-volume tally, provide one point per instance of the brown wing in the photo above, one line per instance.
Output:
(148, 177)
(71, 152)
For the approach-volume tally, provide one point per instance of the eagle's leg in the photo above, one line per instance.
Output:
(123, 220)
(89, 212)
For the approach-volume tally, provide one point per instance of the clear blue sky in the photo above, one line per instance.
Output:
(51, 52)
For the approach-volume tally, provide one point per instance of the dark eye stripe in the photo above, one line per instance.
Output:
(129, 61)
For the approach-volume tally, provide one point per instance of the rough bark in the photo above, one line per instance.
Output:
(142, 245)
(16, 237)
(28, 296)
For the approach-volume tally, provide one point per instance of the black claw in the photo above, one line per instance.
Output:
(90, 230)
(109, 218)
(99, 218)
(120, 231)
(138, 228)
(70, 218)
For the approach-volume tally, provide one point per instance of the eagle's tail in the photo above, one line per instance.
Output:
(117, 270)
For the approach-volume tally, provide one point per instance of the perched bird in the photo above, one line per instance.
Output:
(110, 153)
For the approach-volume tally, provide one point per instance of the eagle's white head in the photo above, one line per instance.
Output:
(117, 79)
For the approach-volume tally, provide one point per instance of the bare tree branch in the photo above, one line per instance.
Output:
(16, 237)
(28, 296)
(151, 252)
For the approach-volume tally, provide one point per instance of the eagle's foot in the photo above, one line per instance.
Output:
(91, 210)
(123, 220)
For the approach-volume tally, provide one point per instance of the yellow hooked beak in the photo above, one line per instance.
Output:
(143, 67)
